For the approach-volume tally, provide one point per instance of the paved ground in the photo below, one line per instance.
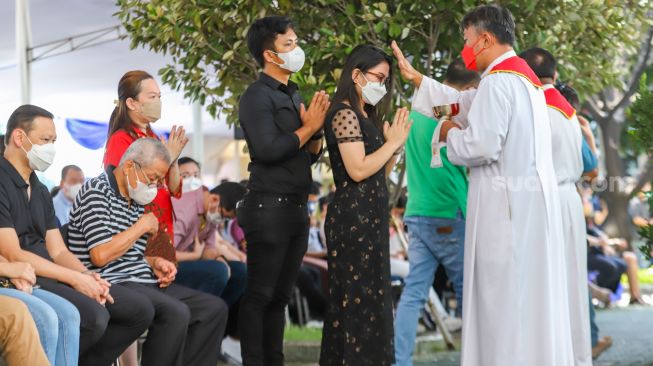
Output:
(630, 328)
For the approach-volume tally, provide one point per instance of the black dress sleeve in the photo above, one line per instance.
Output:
(346, 126)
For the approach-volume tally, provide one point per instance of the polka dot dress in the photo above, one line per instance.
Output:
(358, 326)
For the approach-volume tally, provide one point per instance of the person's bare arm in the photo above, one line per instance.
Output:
(11, 250)
(600, 216)
(640, 221)
(315, 146)
(391, 163)
(175, 144)
(196, 254)
(320, 255)
(120, 243)
(359, 165)
(594, 241)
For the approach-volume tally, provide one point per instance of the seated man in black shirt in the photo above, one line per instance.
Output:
(283, 140)
(29, 233)
(108, 233)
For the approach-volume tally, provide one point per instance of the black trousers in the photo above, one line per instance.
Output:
(105, 332)
(187, 325)
(610, 268)
(277, 237)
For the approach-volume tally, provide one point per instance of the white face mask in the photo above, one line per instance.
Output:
(71, 191)
(40, 156)
(143, 194)
(293, 61)
(373, 92)
(190, 184)
(214, 218)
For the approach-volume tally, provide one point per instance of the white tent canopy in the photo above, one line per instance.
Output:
(82, 83)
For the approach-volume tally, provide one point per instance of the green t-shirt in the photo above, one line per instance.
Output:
(432, 192)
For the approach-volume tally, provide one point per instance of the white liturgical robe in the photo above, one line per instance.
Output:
(568, 163)
(515, 300)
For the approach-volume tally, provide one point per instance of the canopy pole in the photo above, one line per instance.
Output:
(22, 46)
(198, 133)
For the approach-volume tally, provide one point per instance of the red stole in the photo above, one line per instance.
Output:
(558, 102)
(516, 65)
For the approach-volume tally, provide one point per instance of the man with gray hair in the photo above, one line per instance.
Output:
(108, 232)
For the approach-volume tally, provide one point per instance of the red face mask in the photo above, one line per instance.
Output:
(469, 57)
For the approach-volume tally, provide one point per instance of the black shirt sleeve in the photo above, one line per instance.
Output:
(48, 207)
(266, 140)
(6, 220)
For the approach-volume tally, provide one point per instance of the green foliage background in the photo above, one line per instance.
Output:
(206, 38)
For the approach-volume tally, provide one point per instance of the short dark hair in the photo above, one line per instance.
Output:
(569, 93)
(2, 145)
(68, 168)
(315, 188)
(23, 117)
(263, 32)
(494, 19)
(230, 193)
(185, 160)
(459, 75)
(541, 61)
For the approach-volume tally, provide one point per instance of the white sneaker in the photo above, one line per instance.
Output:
(231, 349)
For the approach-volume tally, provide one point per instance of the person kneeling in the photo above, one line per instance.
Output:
(108, 230)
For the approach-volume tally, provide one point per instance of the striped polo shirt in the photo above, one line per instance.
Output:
(99, 213)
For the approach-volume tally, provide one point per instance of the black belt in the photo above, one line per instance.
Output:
(256, 199)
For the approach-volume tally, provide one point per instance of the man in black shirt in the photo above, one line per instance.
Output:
(29, 233)
(284, 139)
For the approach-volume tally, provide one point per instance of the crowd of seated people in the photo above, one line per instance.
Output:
(608, 258)
(77, 280)
(75, 261)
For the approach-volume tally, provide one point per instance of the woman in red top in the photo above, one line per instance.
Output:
(138, 105)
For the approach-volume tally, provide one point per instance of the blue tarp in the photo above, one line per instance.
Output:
(93, 135)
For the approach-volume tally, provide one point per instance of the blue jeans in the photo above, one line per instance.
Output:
(432, 241)
(57, 321)
(594, 329)
(213, 277)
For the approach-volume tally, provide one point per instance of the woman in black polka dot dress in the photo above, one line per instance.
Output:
(358, 325)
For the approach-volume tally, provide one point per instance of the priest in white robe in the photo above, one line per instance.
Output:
(515, 301)
(568, 163)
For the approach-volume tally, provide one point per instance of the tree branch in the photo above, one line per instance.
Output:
(640, 68)
(340, 5)
(594, 110)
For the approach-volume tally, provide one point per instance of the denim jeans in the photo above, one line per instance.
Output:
(431, 242)
(57, 321)
(213, 277)
(594, 329)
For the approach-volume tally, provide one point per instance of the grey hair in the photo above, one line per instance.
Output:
(145, 152)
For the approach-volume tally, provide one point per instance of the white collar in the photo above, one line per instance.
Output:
(548, 86)
(498, 60)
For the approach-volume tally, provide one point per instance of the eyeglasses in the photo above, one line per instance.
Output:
(159, 183)
(380, 77)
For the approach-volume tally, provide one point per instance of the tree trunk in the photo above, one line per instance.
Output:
(613, 190)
